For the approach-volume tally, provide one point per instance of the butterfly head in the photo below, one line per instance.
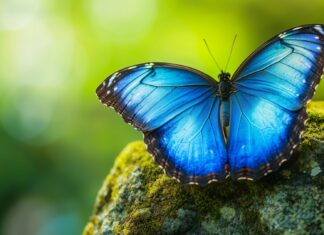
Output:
(224, 76)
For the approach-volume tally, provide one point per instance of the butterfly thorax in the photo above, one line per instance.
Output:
(225, 87)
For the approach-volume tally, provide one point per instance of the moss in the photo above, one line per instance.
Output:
(315, 123)
(296, 210)
(227, 212)
(89, 229)
(137, 197)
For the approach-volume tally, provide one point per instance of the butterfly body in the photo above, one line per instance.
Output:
(201, 130)
(225, 86)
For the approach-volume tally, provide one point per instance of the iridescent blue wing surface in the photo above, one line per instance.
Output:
(177, 109)
(268, 108)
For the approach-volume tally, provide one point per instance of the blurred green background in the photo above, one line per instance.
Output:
(57, 142)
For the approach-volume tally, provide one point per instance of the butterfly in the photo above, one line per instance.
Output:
(244, 126)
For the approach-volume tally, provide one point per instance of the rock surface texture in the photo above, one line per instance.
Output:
(138, 198)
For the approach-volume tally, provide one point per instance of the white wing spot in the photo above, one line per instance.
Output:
(132, 67)
(282, 35)
(297, 28)
(316, 37)
(282, 161)
(149, 65)
(212, 180)
(173, 177)
(115, 88)
(111, 79)
(108, 92)
(318, 48)
(319, 29)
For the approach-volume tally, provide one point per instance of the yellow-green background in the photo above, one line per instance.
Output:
(57, 142)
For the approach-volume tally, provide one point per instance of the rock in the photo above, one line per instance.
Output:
(138, 198)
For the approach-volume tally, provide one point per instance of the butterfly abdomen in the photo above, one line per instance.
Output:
(225, 117)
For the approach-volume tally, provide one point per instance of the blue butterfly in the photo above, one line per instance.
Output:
(200, 130)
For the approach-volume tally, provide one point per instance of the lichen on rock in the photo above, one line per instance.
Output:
(138, 198)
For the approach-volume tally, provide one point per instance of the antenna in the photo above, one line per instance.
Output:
(211, 54)
(229, 57)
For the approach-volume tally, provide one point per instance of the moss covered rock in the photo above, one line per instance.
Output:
(138, 198)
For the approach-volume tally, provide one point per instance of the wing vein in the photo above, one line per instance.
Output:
(259, 70)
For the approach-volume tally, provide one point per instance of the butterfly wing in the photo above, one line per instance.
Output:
(268, 108)
(178, 110)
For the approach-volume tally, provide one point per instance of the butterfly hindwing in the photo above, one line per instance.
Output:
(268, 108)
(262, 135)
(193, 143)
(177, 109)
